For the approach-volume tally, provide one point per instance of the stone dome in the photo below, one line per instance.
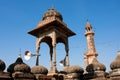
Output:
(22, 68)
(74, 69)
(116, 63)
(95, 66)
(39, 70)
(52, 12)
(11, 66)
(2, 65)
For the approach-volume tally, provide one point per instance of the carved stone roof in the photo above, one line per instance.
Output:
(74, 69)
(22, 68)
(52, 12)
(95, 66)
(116, 63)
(50, 25)
(52, 20)
(39, 70)
(2, 65)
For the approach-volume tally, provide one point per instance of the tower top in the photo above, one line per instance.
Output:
(88, 25)
(88, 28)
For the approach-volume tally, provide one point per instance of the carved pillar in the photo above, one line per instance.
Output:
(37, 51)
(51, 62)
(86, 60)
(54, 52)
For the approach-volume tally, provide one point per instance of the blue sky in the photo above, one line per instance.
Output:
(17, 17)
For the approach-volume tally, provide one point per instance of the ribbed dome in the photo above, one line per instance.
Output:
(95, 66)
(2, 65)
(116, 63)
(39, 70)
(11, 67)
(52, 12)
(74, 69)
(22, 68)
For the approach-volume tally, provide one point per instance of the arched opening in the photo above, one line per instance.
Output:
(61, 51)
(47, 40)
(45, 51)
(44, 59)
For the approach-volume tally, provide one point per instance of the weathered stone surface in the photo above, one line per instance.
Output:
(2, 65)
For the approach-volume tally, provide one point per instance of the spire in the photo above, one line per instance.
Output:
(88, 26)
(87, 21)
(19, 55)
(52, 6)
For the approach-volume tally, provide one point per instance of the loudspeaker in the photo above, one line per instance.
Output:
(27, 55)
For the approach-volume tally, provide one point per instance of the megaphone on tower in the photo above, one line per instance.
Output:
(28, 55)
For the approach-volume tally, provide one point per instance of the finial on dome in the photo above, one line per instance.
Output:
(88, 26)
(19, 55)
(87, 21)
(52, 6)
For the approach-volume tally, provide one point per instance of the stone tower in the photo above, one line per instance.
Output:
(52, 30)
(91, 53)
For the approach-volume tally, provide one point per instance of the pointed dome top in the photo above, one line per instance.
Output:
(2, 65)
(116, 63)
(11, 67)
(95, 66)
(88, 25)
(50, 13)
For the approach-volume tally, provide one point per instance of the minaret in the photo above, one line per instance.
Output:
(91, 53)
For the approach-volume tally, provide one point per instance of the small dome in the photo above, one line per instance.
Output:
(88, 25)
(11, 67)
(2, 65)
(22, 68)
(39, 70)
(95, 66)
(52, 12)
(116, 63)
(74, 69)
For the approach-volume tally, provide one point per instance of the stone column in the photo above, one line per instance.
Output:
(54, 52)
(51, 62)
(85, 60)
(37, 51)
